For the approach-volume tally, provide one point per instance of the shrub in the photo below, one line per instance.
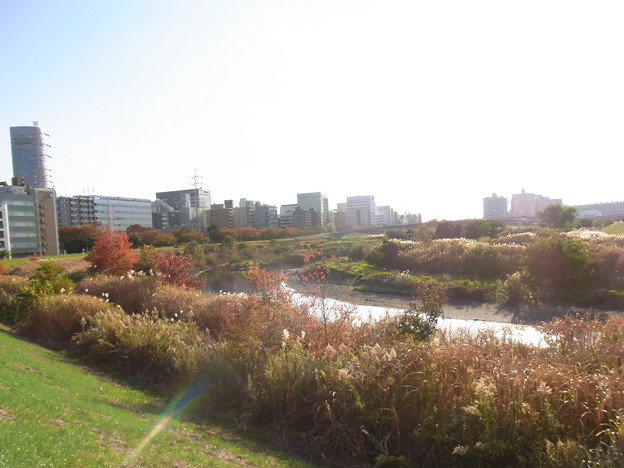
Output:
(608, 262)
(215, 313)
(147, 258)
(176, 270)
(146, 347)
(49, 278)
(516, 290)
(386, 254)
(556, 265)
(359, 251)
(210, 313)
(442, 256)
(466, 290)
(11, 310)
(483, 261)
(59, 317)
(420, 321)
(395, 283)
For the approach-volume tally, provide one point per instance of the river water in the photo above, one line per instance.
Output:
(225, 281)
(524, 333)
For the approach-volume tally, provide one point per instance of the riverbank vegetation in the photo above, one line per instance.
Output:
(475, 260)
(346, 392)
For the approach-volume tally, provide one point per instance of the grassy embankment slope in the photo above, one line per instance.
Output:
(615, 228)
(56, 413)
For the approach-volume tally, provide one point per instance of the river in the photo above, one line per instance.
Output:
(468, 318)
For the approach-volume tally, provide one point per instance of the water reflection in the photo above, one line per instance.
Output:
(220, 280)
(522, 333)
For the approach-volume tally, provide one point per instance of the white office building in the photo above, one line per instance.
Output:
(360, 210)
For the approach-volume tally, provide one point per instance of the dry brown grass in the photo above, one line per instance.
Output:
(12, 284)
(59, 317)
(510, 403)
(132, 293)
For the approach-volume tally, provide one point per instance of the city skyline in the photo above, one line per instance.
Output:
(195, 177)
(427, 107)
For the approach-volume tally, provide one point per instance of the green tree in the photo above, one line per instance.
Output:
(447, 230)
(558, 217)
(141, 235)
(478, 228)
(385, 255)
(215, 234)
(76, 239)
(229, 243)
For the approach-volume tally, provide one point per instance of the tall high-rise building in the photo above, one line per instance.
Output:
(28, 156)
(495, 207)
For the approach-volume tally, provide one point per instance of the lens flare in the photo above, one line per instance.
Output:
(218, 372)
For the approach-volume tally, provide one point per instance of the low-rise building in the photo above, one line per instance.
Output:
(28, 224)
(221, 215)
(613, 210)
(114, 213)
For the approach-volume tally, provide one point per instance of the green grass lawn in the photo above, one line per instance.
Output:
(11, 262)
(56, 413)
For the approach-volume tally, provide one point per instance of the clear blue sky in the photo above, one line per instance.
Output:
(428, 106)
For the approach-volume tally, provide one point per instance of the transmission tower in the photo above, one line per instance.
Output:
(195, 203)
(196, 178)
